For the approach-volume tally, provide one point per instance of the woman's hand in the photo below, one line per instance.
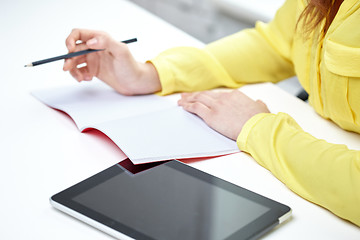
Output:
(115, 65)
(225, 112)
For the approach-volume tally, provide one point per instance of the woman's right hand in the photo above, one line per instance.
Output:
(115, 65)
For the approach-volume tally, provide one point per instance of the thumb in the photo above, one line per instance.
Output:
(102, 42)
(93, 43)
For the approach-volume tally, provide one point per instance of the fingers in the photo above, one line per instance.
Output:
(207, 98)
(200, 103)
(77, 70)
(81, 74)
(197, 108)
(101, 41)
(205, 102)
(78, 41)
(76, 35)
(82, 39)
(225, 112)
(74, 62)
(92, 39)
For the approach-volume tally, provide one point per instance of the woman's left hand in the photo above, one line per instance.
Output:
(225, 112)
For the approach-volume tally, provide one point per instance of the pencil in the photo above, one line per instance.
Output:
(74, 54)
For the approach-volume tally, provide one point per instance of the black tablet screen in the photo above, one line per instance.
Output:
(165, 203)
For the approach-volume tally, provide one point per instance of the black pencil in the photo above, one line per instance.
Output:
(74, 54)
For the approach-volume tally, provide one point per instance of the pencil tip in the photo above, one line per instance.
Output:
(28, 65)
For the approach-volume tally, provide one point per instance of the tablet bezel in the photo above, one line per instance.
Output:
(63, 201)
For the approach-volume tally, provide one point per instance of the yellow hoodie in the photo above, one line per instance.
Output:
(329, 70)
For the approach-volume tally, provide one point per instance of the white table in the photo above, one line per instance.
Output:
(42, 152)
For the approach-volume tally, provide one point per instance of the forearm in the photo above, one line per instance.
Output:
(323, 173)
(187, 69)
(262, 54)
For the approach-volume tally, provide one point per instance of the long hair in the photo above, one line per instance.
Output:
(316, 11)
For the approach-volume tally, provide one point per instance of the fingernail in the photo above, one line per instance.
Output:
(92, 41)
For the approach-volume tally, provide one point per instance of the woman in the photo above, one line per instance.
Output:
(319, 41)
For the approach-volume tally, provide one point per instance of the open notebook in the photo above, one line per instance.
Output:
(146, 128)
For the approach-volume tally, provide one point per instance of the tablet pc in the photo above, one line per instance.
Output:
(170, 201)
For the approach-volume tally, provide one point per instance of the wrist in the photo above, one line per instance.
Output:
(148, 80)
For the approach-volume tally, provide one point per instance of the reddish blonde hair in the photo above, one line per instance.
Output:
(318, 10)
